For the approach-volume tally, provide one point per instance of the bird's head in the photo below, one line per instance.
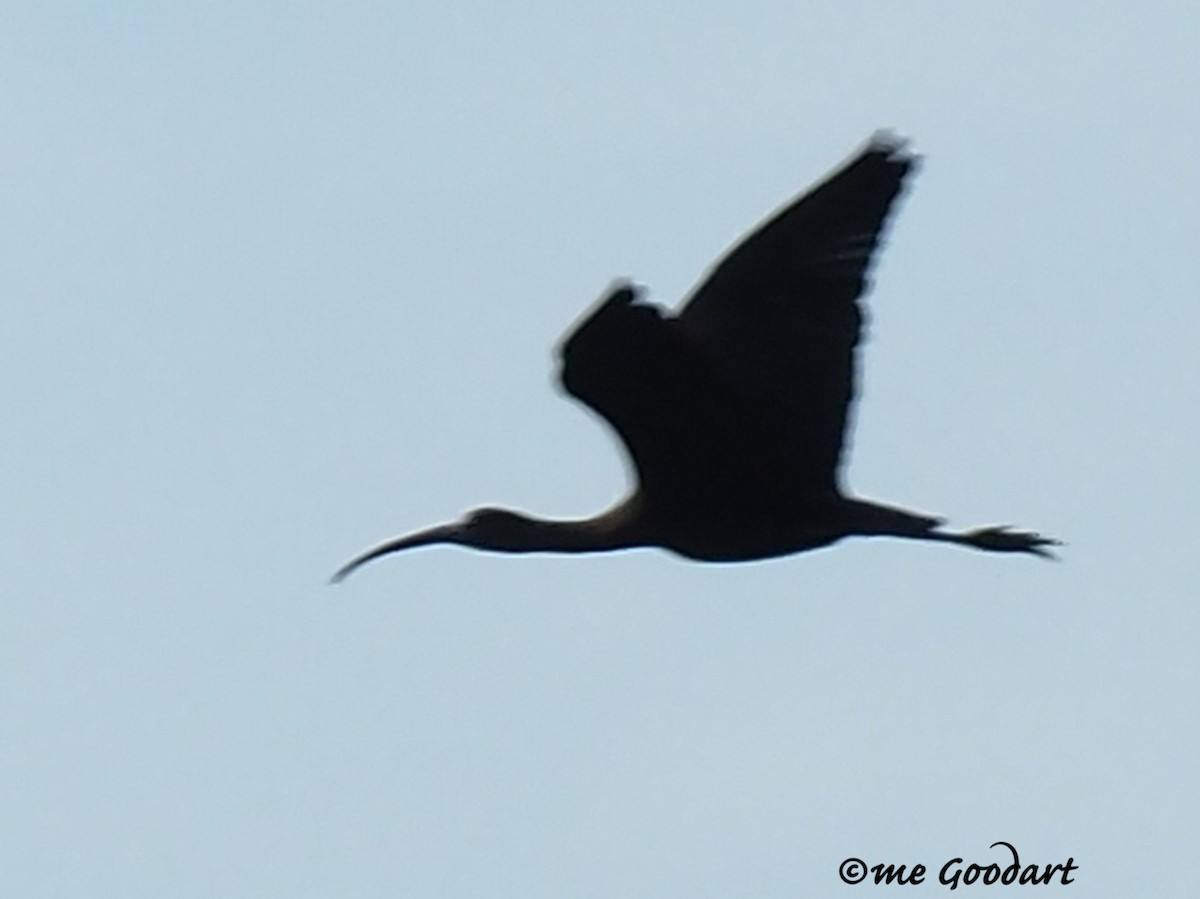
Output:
(492, 528)
(486, 528)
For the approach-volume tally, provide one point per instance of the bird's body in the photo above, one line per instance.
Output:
(734, 412)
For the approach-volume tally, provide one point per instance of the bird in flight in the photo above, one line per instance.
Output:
(734, 411)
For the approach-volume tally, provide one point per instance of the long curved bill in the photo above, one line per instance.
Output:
(442, 533)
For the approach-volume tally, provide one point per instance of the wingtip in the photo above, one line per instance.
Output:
(893, 147)
(886, 140)
(625, 287)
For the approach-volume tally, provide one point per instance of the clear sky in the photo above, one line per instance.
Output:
(279, 280)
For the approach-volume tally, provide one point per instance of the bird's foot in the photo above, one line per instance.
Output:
(1006, 540)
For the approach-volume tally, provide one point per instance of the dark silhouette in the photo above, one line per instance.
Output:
(734, 411)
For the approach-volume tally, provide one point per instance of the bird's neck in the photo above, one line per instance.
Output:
(615, 529)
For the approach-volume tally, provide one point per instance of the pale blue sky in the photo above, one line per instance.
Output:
(277, 282)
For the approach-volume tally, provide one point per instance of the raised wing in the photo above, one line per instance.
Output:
(626, 360)
(779, 317)
(742, 400)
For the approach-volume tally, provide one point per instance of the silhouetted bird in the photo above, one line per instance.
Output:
(735, 411)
